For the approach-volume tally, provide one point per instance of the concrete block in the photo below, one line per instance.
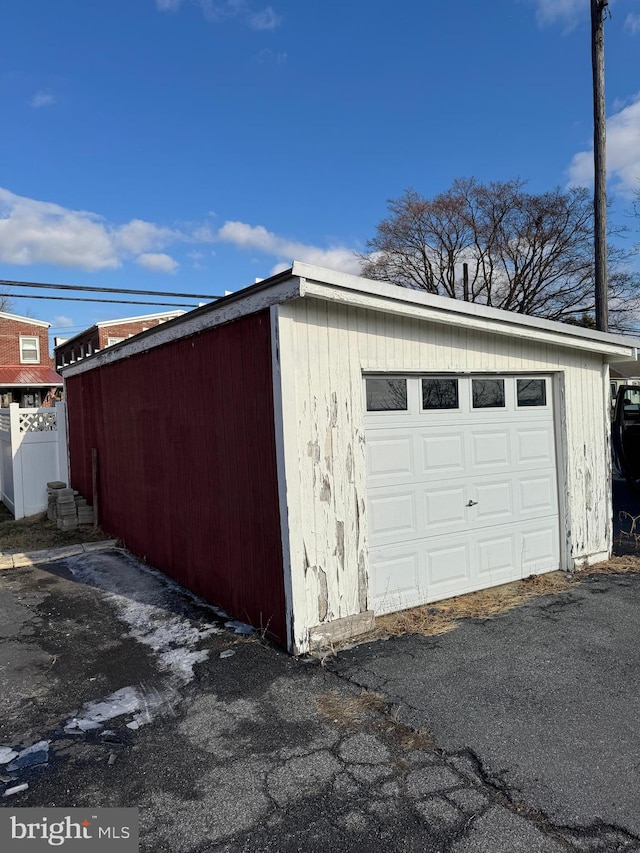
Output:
(340, 630)
(66, 551)
(100, 546)
(22, 560)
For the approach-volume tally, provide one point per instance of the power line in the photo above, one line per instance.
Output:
(38, 284)
(88, 299)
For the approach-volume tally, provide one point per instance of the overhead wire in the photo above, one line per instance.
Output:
(38, 284)
(89, 299)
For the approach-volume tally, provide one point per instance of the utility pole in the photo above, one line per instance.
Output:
(598, 11)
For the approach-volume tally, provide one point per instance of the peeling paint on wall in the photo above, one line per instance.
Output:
(323, 594)
(325, 489)
(340, 542)
(363, 585)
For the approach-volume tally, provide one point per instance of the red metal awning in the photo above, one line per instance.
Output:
(29, 376)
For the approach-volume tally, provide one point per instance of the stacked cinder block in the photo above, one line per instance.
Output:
(85, 512)
(66, 509)
(67, 506)
(52, 498)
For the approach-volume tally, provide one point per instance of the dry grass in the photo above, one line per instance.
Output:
(351, 710)
(443, 616)
(618, 565)
(36, 533)
(370, 711)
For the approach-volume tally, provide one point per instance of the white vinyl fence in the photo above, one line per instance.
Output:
(33, 451)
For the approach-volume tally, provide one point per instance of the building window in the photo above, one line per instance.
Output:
(439, 393)
(112, 341)
(386, 395)
(488, 393)
(29, 351)
(532, 392)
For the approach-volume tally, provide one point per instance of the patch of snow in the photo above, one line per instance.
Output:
(7, 754)
(143, 705)
(144, 599)
(37, 753)
(17, 789)
(239, 627)
(227, 653)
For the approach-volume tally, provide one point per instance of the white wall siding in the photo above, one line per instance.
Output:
(325, 347)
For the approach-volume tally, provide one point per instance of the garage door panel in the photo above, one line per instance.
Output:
(535, 446)
(444, 507)
(538, 495)
(424, 468)
(490, 449)
(496, 556)
(443, 453)
(494, 502)
(539, 548)
(393, 515)
(394, 582)
(389, 456)
(448, 567)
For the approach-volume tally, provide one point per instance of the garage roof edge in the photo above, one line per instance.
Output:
(309, 281)
(390, 298)
(272, 291)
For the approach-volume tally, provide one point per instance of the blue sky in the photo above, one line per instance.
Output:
(194, 145)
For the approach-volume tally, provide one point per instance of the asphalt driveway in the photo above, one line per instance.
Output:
(118, 688)
(544, 699)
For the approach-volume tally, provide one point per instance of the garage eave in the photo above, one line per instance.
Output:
(390, 299)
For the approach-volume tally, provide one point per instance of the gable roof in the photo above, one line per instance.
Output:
(123, 321)
(18, 319)
(31, 376)
(306, 281)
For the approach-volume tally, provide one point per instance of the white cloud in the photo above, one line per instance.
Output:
(197, 260)
(264, 20)
(62, 322)
(256, 237)
(140, 236)
(157, 262)
(42, 99)
(632, 22)
(271, 57)
(33, 231)
(623, 152)
(567, 11)
(217, 11)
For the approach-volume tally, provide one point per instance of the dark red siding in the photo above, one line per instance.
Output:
(187, 464)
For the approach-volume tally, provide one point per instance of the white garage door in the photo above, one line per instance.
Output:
(461, 485)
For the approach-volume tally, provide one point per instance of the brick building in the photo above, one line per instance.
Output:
(104, 334)
(27, 376)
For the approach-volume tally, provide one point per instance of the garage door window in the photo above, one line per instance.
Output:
(439, 393)
(488, 393)
(386, 395)
(532, 392)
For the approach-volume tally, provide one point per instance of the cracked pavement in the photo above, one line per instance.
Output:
(142, 698)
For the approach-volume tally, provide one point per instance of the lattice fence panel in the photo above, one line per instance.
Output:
(38, 422)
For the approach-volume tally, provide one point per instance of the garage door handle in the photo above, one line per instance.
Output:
(472, 503)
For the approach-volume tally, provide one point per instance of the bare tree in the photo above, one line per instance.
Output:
(6, 304)
(528, 253)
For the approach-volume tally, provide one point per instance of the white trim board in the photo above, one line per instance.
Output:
(305, 280)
